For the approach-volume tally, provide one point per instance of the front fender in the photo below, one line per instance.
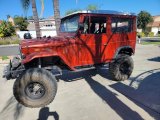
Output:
(42, 54)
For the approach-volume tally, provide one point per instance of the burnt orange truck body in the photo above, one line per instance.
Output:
(86, 38)
(77, 49)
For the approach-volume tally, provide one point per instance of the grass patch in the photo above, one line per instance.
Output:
(5, 57)
(150, 43)
(8, 42)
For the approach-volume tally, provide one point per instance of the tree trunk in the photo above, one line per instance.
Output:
(36, 19)
(56, 15)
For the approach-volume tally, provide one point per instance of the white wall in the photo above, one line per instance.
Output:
(155, 30)
(21, 33)
(139, 30)
(48, 33)
(33, 33)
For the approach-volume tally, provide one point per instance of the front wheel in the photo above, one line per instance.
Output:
(121, 68)
(35, 88)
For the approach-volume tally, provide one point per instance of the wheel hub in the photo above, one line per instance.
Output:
(35, 90)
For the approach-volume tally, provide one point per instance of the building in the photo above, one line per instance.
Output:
(155, 25)
(47, 27)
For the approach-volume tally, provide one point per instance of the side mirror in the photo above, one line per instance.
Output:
(81, 26)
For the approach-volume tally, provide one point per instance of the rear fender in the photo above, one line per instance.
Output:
(124, 48)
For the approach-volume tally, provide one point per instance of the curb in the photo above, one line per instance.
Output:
(4, 62)
(12, 45)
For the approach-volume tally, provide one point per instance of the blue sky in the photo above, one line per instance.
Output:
(13, 7)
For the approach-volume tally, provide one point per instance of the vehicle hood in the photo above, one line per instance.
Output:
(45, 42)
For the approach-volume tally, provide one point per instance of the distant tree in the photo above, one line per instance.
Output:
(71, 11)
(92, 7)
(21, 23)
(143, 19)
(6, 29)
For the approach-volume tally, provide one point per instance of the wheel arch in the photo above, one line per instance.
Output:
(46, 60)
(124, 50)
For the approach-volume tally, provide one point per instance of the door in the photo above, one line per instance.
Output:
(92, 40)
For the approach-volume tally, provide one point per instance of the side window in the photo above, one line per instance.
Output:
(122, 25)
(98, 25)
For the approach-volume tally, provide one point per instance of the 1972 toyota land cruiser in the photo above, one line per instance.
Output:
(87, 38)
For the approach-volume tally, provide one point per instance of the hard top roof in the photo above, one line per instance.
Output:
(101, 12)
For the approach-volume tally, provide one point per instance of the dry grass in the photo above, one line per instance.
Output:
(9, 41)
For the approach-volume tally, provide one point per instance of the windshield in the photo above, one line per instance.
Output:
(69, 24)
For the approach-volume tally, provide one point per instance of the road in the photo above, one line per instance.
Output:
(151, 39)
(9, 50)
(92, 95)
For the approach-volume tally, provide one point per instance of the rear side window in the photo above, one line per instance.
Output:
(120, 25)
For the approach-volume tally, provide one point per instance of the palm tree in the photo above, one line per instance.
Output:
(25, 5)
(56, 15)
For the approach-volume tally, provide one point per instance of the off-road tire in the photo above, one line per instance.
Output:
(116, 67)
(38, 76)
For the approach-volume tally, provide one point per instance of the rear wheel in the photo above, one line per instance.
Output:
(35, 88)
(121, 68)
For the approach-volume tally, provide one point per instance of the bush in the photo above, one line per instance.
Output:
(141, 34)
(146, 33)
(6, 29)
(21, 23)
(151, 34)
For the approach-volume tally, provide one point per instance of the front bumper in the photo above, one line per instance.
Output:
(13, 69)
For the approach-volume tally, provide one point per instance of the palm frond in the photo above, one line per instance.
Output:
(25, 4)
(42, 8)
